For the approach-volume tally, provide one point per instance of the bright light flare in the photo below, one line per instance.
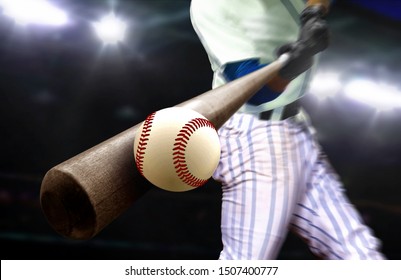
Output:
(110, 29)
(325, 85)
(377, 95)
(34, 12)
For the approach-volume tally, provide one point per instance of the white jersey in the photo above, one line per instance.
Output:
(257, 32)
(274, 175)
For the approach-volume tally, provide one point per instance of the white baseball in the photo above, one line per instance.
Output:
(177, 149)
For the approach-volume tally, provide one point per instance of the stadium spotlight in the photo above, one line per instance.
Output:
(377, 95)
(325, 85)
(110, 29)
(39, 12)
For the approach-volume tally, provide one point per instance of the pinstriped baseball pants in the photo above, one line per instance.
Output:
(275, 178)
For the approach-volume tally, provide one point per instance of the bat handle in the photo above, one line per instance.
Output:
(283, 59)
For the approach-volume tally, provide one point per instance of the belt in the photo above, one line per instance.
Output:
(289, 110)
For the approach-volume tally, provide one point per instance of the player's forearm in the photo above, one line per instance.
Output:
(278, 84)
(324, 3)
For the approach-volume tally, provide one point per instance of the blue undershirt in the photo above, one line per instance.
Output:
(239, 69)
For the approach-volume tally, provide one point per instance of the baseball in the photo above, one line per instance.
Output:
(177, 149)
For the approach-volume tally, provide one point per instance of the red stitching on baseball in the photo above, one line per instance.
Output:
(181, 167)
(143, 141)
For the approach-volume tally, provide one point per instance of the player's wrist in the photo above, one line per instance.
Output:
(317, 11)
(278, 84)
(324, 4)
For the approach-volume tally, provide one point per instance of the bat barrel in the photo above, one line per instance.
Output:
(82, 195)
(67, 206)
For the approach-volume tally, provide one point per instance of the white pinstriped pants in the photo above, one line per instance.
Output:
(274, 178)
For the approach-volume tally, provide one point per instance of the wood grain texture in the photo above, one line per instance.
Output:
(84, 194)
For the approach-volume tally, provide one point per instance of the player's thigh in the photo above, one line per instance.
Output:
(255, 215)
(328, 221)
(259, 191)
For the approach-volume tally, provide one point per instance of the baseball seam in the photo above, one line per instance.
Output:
(180, 146)
(143, 141)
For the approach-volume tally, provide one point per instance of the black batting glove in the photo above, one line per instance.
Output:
(314, 31)
(312, 12)
(298, 62)
(313, 38)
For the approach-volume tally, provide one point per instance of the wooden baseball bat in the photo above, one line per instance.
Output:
(82, 195)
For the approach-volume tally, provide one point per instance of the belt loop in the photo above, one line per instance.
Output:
(277, 114)
(281, 113)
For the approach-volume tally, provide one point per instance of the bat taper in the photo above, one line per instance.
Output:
(84, 194)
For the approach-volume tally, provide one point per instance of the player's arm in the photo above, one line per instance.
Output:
(313, 38)
(324, 4)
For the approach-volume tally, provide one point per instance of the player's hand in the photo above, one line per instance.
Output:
(314, 33)
(313, 38)
(298, 62)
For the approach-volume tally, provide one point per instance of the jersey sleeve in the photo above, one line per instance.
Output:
(239, 69)
(218, 36)
(261, 26)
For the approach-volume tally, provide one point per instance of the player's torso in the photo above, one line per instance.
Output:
(263, 25)
(267, 24)
(234, 30)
